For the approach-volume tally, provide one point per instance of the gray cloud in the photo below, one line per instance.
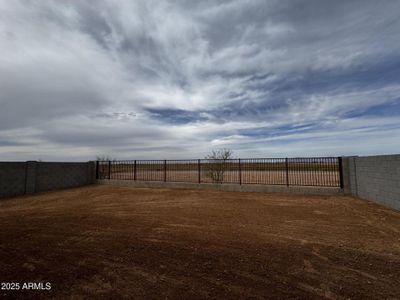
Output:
(175, 78)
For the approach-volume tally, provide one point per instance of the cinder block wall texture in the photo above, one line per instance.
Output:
(19, 178)
(375, 178)
(12, 178)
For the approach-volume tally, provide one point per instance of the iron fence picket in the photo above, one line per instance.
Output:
(312, 171)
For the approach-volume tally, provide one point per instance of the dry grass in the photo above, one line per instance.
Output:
(311, 178)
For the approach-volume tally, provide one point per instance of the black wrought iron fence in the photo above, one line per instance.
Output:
(310, 171)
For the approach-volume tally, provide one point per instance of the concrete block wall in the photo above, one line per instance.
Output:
(52, 176)
(375, 178)
(12, 178)
(19, 178)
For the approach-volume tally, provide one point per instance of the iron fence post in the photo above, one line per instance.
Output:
(97, 169)
(165, 170)
(109, 169)
(198, 169)
(287, 171)
(340, 171)
(240, 172)
(134, 170)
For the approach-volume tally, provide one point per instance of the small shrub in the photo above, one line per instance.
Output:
(217, 164)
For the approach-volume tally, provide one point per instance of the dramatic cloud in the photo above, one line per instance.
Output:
(172, 79)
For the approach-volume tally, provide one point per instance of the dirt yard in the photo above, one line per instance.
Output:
(111, 242)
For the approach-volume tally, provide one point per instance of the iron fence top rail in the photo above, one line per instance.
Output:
(229, 159)
(150, 160)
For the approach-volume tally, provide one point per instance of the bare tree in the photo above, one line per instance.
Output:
(104, 165)
(217, 164)
(104, 158)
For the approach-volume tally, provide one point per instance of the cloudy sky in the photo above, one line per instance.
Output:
(174, 79)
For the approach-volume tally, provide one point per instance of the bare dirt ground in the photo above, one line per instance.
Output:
(113, 242)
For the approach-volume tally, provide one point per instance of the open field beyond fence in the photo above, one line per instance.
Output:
(301, 178)
(325, 171)
(111, 242)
